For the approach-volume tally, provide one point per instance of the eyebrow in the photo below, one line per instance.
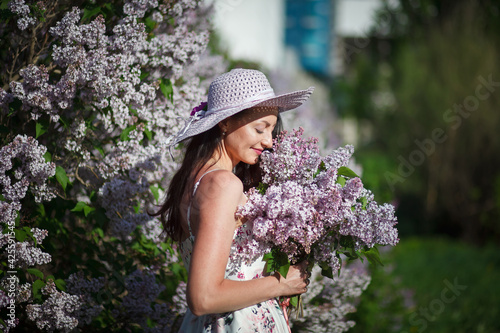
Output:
(267, 123)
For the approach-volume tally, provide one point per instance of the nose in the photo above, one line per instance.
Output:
(268, 141)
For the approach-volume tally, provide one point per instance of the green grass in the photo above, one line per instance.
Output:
(433, 285)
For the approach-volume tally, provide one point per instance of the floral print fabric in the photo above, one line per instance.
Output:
(262, 317)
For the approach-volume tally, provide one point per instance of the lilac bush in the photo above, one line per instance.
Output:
(89, 98)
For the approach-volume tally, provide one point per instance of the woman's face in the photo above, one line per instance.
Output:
(248, 134)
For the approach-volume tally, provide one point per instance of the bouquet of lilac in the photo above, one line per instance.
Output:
(314, 208)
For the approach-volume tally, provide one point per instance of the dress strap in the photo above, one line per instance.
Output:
(189, 207)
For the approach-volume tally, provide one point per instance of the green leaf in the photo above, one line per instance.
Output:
(283, 269)
(294, 301)
(82, 206)
(60, 284)
(79, 206)
(341, 181)
(35, 272)
(345, 171)
(89, 13)
(62, 177)
(137, 207)
(148, 133)
(326, 270)
(47, 156)
(126, 132)
(133, 111)
(321, 167)
(36, 286)
(143, 75)
(40, 129)
(150, 24)
(99, 232)
(155, 190)
(167, 89)
(20, 235)
(262, 188)
(100, 150)
(269, 259)
(41, 210)
(364, 202)
(373, 256)
(87, 210)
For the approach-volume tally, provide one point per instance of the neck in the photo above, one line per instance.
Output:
(224, 161)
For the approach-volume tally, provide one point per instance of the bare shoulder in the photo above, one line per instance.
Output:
(220, 184)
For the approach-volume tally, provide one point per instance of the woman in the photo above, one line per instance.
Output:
(223, 293)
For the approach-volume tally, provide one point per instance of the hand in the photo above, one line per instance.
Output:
(296, 280)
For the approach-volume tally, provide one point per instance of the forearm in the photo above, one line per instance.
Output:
(232, 295)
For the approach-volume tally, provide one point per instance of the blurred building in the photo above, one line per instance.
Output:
(292, 39)
(318, 36)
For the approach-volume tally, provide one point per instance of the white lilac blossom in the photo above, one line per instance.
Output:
(56, 312)
(337, 297)
(314, 207)
(4, 299)
(5, 99)
(30, 174)
(23, 11)
(28, 255)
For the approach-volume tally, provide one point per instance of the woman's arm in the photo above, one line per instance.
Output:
(216, 200)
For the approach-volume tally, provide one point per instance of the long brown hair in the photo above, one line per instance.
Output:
(199, 150)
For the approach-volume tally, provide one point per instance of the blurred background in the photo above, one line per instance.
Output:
(414, 85)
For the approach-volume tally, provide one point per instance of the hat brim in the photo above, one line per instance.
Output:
(283, 102)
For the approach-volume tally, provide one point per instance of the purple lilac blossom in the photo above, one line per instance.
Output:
(306, 211)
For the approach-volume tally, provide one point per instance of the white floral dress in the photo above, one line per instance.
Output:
(262, 317)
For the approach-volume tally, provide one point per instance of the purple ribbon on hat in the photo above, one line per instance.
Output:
(201, 107)
(197, 113)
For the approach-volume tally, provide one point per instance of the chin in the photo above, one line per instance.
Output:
(252, 161)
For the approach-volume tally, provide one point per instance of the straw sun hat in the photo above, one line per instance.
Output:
(233, 92)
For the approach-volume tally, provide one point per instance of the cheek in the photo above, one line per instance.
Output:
(244, 137)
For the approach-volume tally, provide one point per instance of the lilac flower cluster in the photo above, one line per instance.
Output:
(142, 291)
(23, 11)
(338, 298)
(298, 161)
(314, 206)
(28, 255)
(77, 284)
(56, 313)
(30, 174)
(23, 169)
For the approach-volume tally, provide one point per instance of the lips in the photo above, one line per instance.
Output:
(258, 151)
